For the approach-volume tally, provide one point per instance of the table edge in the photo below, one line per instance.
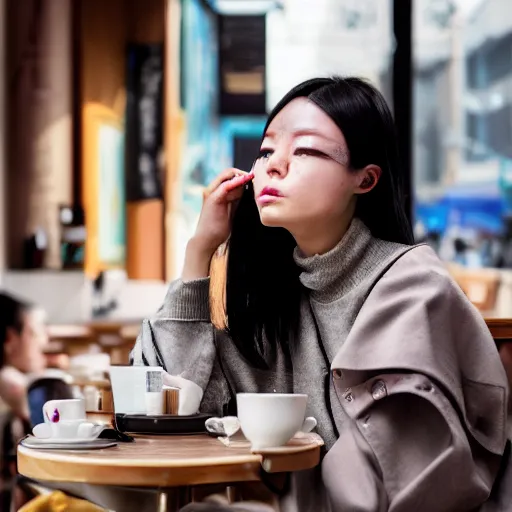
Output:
(71, 457)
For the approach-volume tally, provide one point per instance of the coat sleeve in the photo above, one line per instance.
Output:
(182, 340)
(421, 383)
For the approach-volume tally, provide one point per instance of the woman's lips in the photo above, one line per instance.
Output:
(269, 195)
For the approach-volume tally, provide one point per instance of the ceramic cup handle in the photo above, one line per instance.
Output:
(308, 425)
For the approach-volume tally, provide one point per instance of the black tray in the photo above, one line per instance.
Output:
(164, 424)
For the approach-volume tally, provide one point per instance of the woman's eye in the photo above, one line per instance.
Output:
(309, 152)
(264, 153)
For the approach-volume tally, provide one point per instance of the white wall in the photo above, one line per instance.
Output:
(309, 38)
(67, 296)
(64, 295)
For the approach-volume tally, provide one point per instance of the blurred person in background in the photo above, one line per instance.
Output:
(461, 248)
(23, 339)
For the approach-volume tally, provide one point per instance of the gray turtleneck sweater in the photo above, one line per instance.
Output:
(182, 340)
(336, 288)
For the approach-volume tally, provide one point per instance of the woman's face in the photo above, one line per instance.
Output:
(302, 180)
(25, 350)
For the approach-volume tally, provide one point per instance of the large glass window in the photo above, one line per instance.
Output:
(462, 61)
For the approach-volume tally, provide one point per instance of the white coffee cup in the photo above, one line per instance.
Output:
(271, 419)
(66, 419)
(129, 388)
(69, 409)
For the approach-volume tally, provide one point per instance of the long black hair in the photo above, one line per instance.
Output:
(262, 287)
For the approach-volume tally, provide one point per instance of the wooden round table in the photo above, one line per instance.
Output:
(171, 463)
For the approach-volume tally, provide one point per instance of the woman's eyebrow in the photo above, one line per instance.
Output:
(337, 152)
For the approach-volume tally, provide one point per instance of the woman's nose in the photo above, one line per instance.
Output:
(277, 165)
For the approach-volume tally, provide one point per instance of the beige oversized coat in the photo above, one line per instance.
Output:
(429, 414)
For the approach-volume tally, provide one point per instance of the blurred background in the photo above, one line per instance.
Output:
(115, 115)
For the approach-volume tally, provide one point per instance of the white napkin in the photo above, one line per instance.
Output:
(190, 395)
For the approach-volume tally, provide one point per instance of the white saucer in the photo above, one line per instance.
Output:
(64, 440)
(43, 433)
(67, 444)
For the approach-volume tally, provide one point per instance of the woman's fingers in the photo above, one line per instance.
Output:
(224, 176)
(232, 189)
(234, 195)
(238, 181)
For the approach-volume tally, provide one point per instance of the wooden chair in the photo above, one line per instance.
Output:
(481, 286)
(501, 329)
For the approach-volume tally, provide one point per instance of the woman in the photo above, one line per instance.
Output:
(327, 295)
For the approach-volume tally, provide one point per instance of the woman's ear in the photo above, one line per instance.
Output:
(369, 177)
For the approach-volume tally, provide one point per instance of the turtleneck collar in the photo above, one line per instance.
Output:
(328, 276)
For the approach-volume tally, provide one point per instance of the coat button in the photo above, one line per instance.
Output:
(379, 390)
(348, 396)
(337, 374)
(425, 386)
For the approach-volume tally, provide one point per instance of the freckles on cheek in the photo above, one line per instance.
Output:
(330, 186)
(334, 194)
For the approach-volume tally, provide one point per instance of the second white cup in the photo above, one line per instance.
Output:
(271, 419)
